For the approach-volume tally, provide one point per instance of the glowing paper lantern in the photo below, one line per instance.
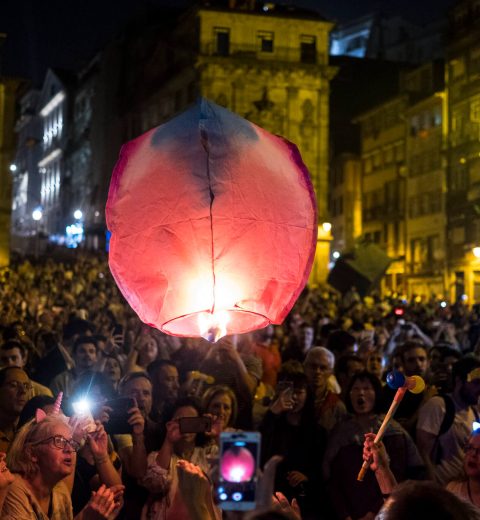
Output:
(213, 224)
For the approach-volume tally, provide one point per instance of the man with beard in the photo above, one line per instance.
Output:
(445, 422)
(165, 383)
(85, 352)
(414, 362)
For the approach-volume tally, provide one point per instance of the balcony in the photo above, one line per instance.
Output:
(254, 53)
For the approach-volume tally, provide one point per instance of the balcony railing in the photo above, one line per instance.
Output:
(254, 52)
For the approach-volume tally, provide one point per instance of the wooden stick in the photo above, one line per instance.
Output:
(388, 417)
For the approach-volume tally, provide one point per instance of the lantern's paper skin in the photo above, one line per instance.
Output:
(209, 212)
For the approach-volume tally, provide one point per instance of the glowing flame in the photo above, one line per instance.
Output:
(213, 326)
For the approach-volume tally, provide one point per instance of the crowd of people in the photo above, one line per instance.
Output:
(314, 387)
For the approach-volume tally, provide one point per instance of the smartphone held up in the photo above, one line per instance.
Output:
(239, 459)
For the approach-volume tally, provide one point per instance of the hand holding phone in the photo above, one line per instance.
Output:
(119, 415)
(239, 459)
(202, 424)
(283, 401)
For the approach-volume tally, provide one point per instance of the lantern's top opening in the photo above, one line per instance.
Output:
(212, 327)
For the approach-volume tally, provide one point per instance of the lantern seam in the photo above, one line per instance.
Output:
(204, 141)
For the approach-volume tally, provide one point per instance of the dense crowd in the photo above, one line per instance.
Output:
(314, 387)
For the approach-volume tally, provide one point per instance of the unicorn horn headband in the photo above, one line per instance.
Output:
(58, 404)
(40, 414)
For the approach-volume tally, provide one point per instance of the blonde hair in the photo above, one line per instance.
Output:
(213, 391)
(19, 458)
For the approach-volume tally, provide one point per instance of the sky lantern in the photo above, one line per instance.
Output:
(213, 224)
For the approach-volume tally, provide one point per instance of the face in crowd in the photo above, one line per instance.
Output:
(374, 363)
(15, 392)
(140, 389)
(318, 369)
(12, 357)
(166, 383)
(470, 389)
(471, 463)
(221, 407)
(85, 356)
(55, 455)
(362, 396)
(113, 370)
(415, 362)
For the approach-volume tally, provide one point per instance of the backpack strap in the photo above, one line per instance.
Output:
(449, 414)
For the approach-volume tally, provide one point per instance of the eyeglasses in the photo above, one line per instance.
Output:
(17, 385)
(471, 450)
(60, 442)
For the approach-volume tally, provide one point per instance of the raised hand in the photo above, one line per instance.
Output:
(98, 442)
(104, 503)
(375, 453)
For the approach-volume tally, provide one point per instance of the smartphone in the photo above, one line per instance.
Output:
(239, 459)
(195, 424)
(284, 386)
(118, 421)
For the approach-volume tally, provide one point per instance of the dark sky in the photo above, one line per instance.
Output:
(42, 33)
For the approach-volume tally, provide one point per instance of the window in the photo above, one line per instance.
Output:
(308, 49)
(222, 41)
(367, 165)
(399, 152)
(266, 41)
(457, 68)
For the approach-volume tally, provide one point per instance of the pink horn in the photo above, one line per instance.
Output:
(58, 404)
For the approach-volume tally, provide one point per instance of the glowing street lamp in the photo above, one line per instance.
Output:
(37, 214)
(476, 252)
(327, 227)
(13, 167)
(78, 214)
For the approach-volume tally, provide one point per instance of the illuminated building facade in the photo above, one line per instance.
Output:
(25, 178)
(463, 151)
(390, 38)
(9, 88)
(52, 108)
(265, 62)
(426, 183)
(345, 202)
(384, 183)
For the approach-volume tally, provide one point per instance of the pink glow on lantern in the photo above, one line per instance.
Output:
(213, 224)
(237, 465)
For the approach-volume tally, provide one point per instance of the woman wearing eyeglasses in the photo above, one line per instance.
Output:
(43, 458)
(468, 487)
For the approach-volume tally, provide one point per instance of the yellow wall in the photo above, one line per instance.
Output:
(298, 92)
(8, 88)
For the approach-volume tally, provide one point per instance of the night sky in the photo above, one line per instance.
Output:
(62, 33)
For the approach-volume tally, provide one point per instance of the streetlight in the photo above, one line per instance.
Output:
(476, 252)
(13, 167)
(336, 255)
(327, 227)
(37, 215)
(77, 214)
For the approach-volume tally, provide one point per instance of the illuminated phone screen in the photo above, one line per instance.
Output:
(239, 458)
